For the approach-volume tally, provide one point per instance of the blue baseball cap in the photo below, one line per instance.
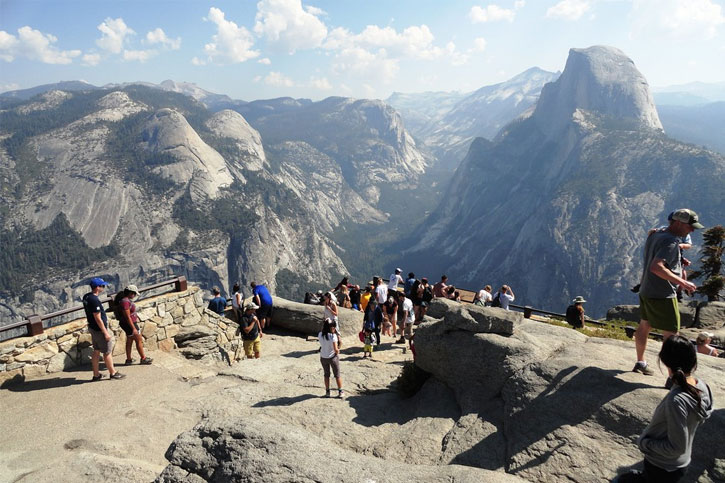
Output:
(97, 282)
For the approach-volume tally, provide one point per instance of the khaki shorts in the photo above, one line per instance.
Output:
(662, 314)
(252, 347)
(100, 343)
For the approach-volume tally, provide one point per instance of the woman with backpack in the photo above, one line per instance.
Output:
(667, 441)
(125, 311)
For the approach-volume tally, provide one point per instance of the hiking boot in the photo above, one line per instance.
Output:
(117, 375)
(97, 378)
(400, 341)
(643, 368)
(146, 361)
(129, 362)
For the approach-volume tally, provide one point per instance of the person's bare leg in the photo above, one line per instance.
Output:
(139, 347)
(327, 383)
(108, 359)
(338, 380)
(640, 338)
(129, 345)
(94, 363)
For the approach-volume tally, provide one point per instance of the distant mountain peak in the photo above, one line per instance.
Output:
(601, 80)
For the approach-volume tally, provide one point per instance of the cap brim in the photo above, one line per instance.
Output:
(697, 225)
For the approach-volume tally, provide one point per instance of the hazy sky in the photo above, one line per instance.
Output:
(271, 48)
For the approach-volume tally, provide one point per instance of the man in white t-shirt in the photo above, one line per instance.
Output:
(483, 297)
(395, 279)
(406, 323)
(381, 291)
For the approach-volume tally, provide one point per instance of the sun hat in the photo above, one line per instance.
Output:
(131, 288)
(251, 306)
(579, 300)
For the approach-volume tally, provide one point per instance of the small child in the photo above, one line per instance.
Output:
(369, 342)
(387, 327)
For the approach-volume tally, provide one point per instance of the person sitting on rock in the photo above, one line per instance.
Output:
(575, 313)
(125, 312)
(218, 303)
(251, 331)
(703, 344)
(667, 441)
(483, 297)
(330, 355)
(439, 289)
(503, 297)
(453, 294)
(355, 296)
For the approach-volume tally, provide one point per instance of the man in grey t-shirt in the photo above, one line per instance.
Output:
(662, 273)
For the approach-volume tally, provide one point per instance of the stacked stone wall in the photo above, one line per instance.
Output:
(69, 345)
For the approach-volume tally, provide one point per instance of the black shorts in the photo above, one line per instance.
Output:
(127, 328)
(264, 311)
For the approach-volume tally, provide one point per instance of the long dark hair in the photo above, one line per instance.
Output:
(680, 356)
(326, 326)
(121, 295)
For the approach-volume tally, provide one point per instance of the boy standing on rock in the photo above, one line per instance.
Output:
(251, 331)
(662, 274)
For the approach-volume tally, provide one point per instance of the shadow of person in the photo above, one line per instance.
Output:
(298, 354)
(284, 401)
(41, 384)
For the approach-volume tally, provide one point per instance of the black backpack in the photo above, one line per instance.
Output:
(496, 302)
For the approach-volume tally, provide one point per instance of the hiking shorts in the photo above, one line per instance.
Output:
(127, 328)
(662, 314)
(265, 311)
(100, 343)
(252, 347)
(368, 348)
(332, 362)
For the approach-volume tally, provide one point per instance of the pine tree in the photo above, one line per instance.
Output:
(711, 263)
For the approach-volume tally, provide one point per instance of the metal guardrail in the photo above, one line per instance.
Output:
(34, 323)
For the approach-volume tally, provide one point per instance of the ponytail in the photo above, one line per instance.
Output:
(680, 356)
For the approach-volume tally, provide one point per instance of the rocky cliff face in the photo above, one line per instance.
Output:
(165, 191)
(560, 203)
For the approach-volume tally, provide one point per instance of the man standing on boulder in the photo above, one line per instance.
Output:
(662, 274)
(262, 298)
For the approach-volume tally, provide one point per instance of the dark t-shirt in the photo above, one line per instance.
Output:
(217, 304)
(390, 309)
(92, 304)
(264, 297)
(355, 297)
(248, 320)
(574, 315)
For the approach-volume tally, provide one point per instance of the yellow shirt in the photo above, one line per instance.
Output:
(364, 300)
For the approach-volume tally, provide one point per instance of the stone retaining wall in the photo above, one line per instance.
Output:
(69, 345)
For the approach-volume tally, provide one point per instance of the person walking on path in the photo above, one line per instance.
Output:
(125, 311)
(251, 331)
(262, 298)
(661, 276)
(374, 318)
(575, 312)
(101, 335)
(330, 355)
(218, 303)
(667, 441)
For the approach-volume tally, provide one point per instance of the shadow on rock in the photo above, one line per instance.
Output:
(40, 384)
(284, 401)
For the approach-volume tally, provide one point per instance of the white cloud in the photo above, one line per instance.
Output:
(364, 63)
(265, 61)
(114, 35)
(457, 58)
(138, 55)
(91, 59)
(231, 44)
(198, 61)
(681, 18)
(9, 87)
(414, 41)
(569, 9)
(288, 26)
(519, 4)
(479, 44)
(317, 12)
(320, 83)
(278, 80)
(158, 36)
(492, 13)
(34, 45)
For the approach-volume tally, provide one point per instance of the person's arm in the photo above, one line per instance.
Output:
(333, 308)
(659, 268)
(512, 294)
(248, 327)
(101, 325)
(259, 326)
(338, 344)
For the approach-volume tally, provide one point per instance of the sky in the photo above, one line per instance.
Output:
(359, 48)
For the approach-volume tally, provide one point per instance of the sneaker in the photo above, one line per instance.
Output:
(146, 361)
(340, 394)
(117, 375)
(643, 368)
(97, 378)
(327, 393)
(400, 341)
(130, 361)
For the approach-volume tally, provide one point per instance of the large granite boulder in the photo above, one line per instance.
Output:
(711, 316)
(546, 402)
(199, 342)
(307, 319)
(474, 318)
(262, 449)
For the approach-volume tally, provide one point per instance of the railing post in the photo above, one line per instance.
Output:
(527, 312)
(35, 325)
(180, 284)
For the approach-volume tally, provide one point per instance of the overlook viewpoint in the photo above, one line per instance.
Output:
(495, 397)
